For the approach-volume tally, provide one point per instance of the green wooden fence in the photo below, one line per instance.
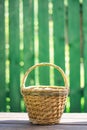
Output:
(33, 31)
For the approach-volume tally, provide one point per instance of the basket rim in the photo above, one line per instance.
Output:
(45, 90)
(45, 86)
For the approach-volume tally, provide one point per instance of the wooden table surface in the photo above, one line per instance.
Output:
(20, 121)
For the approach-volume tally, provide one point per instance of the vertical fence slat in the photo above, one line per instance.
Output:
(74, 44)
(43, 21)
(59, 45)
(28, 37)
(85, 50)
(14, 55)
(2, 58)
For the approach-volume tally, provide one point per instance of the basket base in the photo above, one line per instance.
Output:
(44, 122)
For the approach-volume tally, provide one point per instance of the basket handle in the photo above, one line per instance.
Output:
(44, 64)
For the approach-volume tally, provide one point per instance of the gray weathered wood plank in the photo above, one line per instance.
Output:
(22, 118)
(20, 121)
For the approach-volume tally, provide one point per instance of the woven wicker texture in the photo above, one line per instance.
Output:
(45, 104)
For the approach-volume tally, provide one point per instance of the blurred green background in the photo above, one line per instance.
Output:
(34, 31)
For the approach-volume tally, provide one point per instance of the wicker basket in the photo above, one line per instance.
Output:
(45, 104)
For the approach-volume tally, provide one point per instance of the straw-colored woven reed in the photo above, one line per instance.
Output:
(45, 104)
